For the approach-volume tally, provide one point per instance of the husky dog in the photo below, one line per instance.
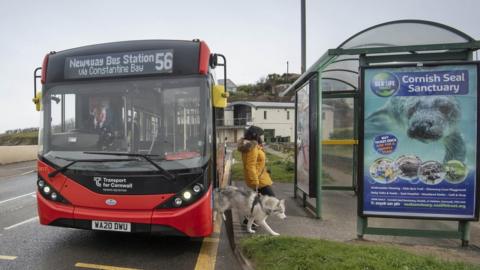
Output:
(256, 207)
(426, 119)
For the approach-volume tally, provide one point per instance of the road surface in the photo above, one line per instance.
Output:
(25, 244)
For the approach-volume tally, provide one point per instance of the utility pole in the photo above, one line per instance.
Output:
(287, 70)
(304, 48)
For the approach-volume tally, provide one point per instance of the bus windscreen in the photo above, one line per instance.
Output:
(164, 117)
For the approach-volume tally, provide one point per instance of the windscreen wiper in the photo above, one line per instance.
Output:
(73, 161)
(146, 157)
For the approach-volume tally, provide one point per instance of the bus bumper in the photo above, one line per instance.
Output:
(49, 211)
(193, 221)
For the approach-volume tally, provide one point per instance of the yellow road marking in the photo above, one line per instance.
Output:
(208, 252)
(5, 257)
(211, 240)
(102, 267)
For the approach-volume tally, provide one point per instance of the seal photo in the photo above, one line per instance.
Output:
(424, 118)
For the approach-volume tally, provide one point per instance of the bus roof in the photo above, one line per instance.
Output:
(128, 58)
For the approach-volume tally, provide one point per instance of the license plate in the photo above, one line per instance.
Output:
(111, 226)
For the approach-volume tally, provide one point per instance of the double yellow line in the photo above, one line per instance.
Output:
(208, 252)
(8, 258)
(207, 256)
(206, 260)
(102, 267)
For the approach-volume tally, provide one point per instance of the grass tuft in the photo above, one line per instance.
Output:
(297, 253)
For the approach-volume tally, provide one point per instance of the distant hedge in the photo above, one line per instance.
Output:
(21, 138)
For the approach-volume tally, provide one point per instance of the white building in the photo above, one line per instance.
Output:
(231, 86)
(277, 119)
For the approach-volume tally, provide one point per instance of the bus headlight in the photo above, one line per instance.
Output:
(178, 201)
(49, 193)
(197, 188)
(187, 195)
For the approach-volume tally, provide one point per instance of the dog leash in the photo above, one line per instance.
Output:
(256, 200)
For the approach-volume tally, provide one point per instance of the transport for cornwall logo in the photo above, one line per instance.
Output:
(98, 181)
(384, 84)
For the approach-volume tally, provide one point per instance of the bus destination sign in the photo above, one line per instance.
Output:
(119, 64)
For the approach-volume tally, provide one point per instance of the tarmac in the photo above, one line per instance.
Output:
(339, 223)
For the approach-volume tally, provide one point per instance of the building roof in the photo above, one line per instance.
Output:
(229, 83)
(259, 104)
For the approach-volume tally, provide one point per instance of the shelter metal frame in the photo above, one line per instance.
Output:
(368, 56)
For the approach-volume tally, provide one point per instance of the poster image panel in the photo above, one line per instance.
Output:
(420, 141)
(303, 138)
(306, 134)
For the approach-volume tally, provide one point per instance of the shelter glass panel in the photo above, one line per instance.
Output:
(332, 84)
(344, 76)
(337, 165)
(337, 114)
(337, 124)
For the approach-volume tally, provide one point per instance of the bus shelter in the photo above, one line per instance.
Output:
(333, 107)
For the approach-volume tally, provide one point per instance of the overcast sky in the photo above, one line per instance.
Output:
(257, 36)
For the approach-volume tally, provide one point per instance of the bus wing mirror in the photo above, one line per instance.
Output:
(219, 96)
(37, 100)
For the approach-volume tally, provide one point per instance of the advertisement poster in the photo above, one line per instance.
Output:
(420, 141)
(303, 139)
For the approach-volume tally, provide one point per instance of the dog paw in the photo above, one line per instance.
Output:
(251, 231)
(275, 234)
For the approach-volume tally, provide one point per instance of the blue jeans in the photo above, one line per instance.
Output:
(267, 190)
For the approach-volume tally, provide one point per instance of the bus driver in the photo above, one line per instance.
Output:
(99, 114)
(100, 123)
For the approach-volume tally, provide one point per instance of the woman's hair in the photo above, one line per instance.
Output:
(254, 133)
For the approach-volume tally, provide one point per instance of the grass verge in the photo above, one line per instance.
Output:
(284, 252)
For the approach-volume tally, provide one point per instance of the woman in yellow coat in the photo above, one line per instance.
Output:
(255, 171)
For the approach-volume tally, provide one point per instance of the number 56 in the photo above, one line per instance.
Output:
(163, 61)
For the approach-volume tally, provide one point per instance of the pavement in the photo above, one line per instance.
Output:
(339, 221)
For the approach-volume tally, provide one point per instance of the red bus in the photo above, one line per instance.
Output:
(127, 140)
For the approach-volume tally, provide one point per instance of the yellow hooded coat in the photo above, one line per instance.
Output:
(254, 168)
